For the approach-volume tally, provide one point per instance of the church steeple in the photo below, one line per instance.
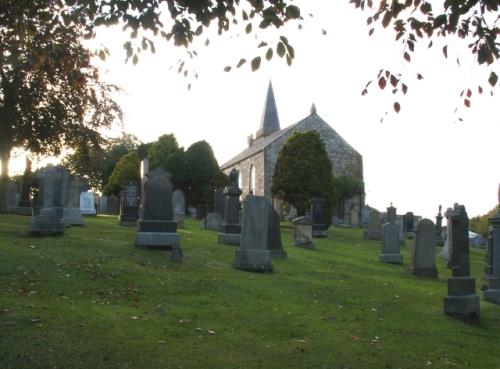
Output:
(270, 121)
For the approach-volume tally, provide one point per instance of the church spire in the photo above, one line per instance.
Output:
(270, 121)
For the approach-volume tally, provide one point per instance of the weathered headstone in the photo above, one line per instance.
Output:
(445, 251)
(144, 178)
(401, 235)
(219, 201)
(373, 232)
(103, 204)
(113, 205)
(390, 244)
(179, 207)
(492, 269)
(391, 214)
(292, 213)
(87, 204)
(423, 251)
(230, 231)
(439, 228)
(74, 213)
(253, 254)
(130, 198)
(12, 196)
(365, 214)
(274, 243)
(318, 215)
(302, 233)
(47, 219)
(156, 227)
(409, 220)
(461, 301)
(212, 221)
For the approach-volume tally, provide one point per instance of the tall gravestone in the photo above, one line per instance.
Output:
(113, 205)
(373, 232)
(12, 196)
(213, 220)
(87, 204)
(73, 210)
(144, 178)
(130, 198)
(365, 214)
(439, 228)
(492, 269)
(62, 195)
(179, 207)
(318, 215)
(423, 251)
(230, 230)
(409, 223)
(253, 254)
(390, 252)
(103, 204)
(219, 201)
(47, 209)
(391, 214)
(445, 251)
(156, 227)
(461, 301)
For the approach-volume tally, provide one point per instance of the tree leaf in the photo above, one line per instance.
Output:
(467, 103)
(255, 64)
(381, 83)
(227, 69)
(469, 92)
(292, 12)
(404, 88)
(248, 28)
(397, 107)
(269, 53)
(407, 57)
(493, 79)
(445, 51)
(241, 62)
(419, 76)
(135, 59)
(280, 49)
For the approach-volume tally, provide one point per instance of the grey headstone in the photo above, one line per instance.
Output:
(219, 201)
(113, 205)
(74, 212)
(461, 301)
(292, 213)
(391, 214)
(365, 214)
(492, 269)
(253, 254)
(373, 232)
(390, 244)
(103, 204)
(423, 261)
(144, 178)
(12, 195)
(302, 233)
(318, 215)
(231, 229)
(409, 221)
(130, 198)
(445, 251)
(213, 221)
(439, 228)
(179, 205)
(156, 227)
(87, 204)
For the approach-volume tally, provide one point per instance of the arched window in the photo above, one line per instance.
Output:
(251, 180)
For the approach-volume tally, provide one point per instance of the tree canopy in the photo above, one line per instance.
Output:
(127, 168)
(166, 153)
(303, 171)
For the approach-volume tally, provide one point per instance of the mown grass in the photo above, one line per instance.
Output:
(90, 299)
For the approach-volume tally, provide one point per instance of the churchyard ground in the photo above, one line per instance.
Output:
(90, 299)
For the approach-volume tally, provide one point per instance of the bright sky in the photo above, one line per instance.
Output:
(417, 159)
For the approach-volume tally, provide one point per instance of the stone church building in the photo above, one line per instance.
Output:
(257, 162)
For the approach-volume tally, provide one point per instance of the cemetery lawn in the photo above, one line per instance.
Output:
(90, 299)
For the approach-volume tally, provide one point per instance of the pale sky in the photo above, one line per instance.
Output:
(417, 159)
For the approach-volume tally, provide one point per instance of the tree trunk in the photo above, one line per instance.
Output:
(4, 179)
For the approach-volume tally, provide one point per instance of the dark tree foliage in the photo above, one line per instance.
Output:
(127, 168)
(413, 21)
(303, 171)
(203, 175)
(50, 95)
(167, 154)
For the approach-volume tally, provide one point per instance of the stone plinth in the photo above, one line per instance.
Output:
(47, 223)
(302, 233)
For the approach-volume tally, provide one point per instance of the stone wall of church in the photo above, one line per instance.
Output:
(244, 168)
(344, 159)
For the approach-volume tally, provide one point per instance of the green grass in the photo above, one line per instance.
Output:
(90, 299)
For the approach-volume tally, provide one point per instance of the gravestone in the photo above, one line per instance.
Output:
(292, 213)
(391, 214)
(12, 196)
(445, 251)
(461, 301)
(401, 235)
(212, 221)
(365, 214)
(24, 207)
(439, 228)
(423, 251)
(274, 243)
(130, 198)
(87, 204)
(157, 228)
(179, 207)
(492, 269)
(103, 204)
(373, 232)
(390, 244)
(302, 232)
(409, 220)
(253, 254)
(219, 201)
(318, 215)
(230, 229)
(113, 205)
(73, 210)
(46, 219)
